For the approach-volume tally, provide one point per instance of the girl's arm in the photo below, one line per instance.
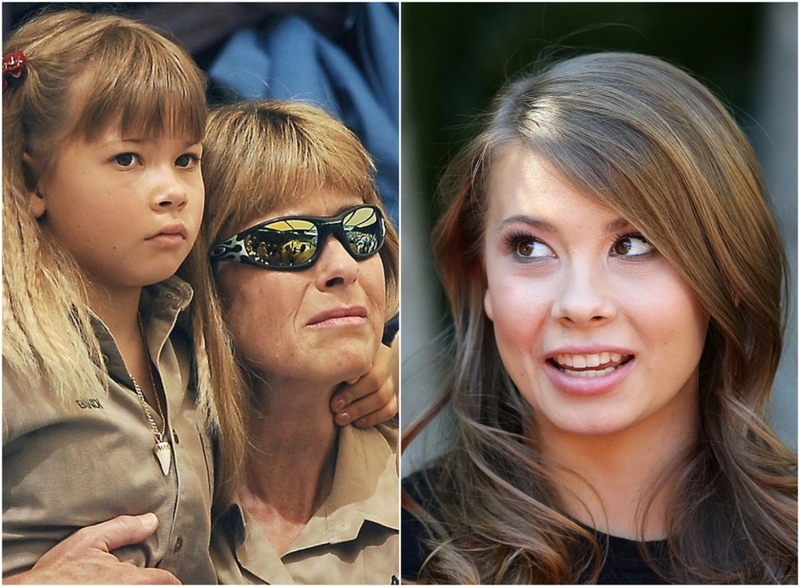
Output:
(372, 399)
(85, 557)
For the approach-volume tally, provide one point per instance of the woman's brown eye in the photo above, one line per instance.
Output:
(622, 246)
(631, 245)
(525, 248)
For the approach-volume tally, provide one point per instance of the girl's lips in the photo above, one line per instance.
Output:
(173, 230)
(589, 380)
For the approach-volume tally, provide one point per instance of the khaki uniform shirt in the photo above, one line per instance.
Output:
(69, 466)
(352, 539)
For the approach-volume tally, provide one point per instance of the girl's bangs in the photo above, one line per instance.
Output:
(164, 97)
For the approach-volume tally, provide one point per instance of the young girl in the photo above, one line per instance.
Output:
(617, 284)
(106, 391)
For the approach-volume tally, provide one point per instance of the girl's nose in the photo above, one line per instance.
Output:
(170, 193)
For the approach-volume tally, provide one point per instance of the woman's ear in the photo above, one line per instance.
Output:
(38, 205)
(487, 304)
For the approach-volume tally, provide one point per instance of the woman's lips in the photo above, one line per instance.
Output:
(589, 373)
(339, 316)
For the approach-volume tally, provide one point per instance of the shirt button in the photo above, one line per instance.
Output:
(175, 436)
(178, 544)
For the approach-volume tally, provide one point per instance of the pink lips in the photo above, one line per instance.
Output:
(583, 378)
(339, 316)
(170, 234)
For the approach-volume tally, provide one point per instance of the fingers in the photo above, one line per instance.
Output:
(365, 417)
(119, 531)
(85, 556)
(154, 577)
(366, 403)
(372, 398)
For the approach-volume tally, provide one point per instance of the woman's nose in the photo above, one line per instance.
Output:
(584, 297)
(335, 266)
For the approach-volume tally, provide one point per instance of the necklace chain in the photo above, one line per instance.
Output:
(159, 435)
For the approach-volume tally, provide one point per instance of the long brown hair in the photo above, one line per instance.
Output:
(647, 140)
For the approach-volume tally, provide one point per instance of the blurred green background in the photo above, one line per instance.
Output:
(455, 57)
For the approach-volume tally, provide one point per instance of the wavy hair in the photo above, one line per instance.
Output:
(83, 73)
(649, 141)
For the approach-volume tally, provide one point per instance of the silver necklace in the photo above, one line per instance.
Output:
(162, 449)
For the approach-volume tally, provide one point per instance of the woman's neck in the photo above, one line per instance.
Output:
(291, 468)
(607, 481)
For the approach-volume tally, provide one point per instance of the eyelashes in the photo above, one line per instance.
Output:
(129, 160)
(526, 247)
(632, 245)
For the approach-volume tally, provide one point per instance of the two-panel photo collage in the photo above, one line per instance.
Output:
(400, 293)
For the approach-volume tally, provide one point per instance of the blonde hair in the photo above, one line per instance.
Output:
(652, 143)
(83, 73)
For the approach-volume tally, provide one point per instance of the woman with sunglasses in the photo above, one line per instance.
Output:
(305, 266)
(616, 281)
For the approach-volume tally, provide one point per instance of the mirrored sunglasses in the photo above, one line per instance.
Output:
(292, 243)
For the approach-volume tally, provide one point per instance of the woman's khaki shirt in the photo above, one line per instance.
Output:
(352, 539)
(66, 467)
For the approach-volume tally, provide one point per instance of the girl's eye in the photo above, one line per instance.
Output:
(125, 159)
(631, 245)
(527, 247)
(187, 160)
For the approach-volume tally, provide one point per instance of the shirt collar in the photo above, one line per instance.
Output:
(365, 489)
(161, 305)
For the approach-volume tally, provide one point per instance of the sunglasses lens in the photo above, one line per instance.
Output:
(364, 230)
(283, 243)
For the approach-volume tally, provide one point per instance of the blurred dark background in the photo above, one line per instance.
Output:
(455, 57)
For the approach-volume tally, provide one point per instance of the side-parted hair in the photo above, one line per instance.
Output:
(260, 156)
(649, 141)
(83, 73)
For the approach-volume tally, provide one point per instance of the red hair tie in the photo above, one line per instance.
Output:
(13, 67)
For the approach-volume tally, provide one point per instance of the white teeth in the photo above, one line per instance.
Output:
(590, 373)
(588, 363)
(582, 361)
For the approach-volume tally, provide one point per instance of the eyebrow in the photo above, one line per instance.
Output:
(615, 225)
(141, 140)
(530, 221)
(618, 225)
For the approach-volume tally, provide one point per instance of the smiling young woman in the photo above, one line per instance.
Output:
(618, 327)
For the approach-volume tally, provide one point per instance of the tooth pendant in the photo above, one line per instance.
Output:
(163, 453)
